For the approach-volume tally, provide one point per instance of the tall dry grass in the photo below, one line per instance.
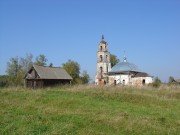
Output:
(90, 109)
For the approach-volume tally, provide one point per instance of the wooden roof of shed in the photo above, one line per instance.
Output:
(51, 72)
(177, 80)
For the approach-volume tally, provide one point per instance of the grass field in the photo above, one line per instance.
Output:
(90, 110)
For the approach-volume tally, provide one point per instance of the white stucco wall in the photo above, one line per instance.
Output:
(120, 79)
(128, 80)
(149, 80)
(139, 80)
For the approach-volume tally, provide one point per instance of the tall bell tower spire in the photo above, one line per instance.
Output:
(103, 65)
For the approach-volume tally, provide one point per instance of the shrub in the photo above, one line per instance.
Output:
(3, 80)
(156, 83)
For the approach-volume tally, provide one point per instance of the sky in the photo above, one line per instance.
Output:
(147, 30)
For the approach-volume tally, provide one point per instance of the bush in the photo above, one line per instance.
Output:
(3, 81)
(156, 83)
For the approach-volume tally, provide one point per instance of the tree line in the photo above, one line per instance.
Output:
(17, 67)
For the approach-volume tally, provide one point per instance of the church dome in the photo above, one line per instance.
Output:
(124, 67)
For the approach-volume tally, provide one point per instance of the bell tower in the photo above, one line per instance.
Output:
(103, 65)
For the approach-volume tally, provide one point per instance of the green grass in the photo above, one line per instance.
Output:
(90, 110)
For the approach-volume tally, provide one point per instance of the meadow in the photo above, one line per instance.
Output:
(90, 110)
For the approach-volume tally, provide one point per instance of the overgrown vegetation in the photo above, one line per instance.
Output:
(18, 67)
(73, 68)
(90, 110)
(113, 59)
(156, 83)
(3, 80)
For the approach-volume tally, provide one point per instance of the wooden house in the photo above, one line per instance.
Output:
(42, 76)
(176, 81)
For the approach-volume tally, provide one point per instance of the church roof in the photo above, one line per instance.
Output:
(141, 74)
(124, 67)
(103, 42)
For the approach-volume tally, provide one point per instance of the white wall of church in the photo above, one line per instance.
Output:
(127, 80)
(139, 80)
(120, 79)
(149, 80)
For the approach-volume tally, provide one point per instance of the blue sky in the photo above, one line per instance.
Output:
(149, 32)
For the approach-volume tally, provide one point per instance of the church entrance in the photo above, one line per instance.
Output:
(114, 82)
(143, 82)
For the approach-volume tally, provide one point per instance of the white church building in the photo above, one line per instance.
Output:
(123, 73)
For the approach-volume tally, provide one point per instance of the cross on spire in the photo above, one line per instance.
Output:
(102, 37)
(125, 60)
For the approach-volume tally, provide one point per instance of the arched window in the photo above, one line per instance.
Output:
(106, 58)
(123, 82)
(143, 82)
(101, 58)
(114, 82)
(101, 69)
(100, 48)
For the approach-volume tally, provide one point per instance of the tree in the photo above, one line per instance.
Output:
(13, 66)
(3, 80)
(171, 79)
(85, 77)
(113, 59)
(51, 64)
(41, 60)
(73, 68)
(156, 83)
(17, 67)
(26, 63)
(14, 72)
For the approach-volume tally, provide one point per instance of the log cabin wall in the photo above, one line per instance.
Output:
(37, 83)
(33, 83)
